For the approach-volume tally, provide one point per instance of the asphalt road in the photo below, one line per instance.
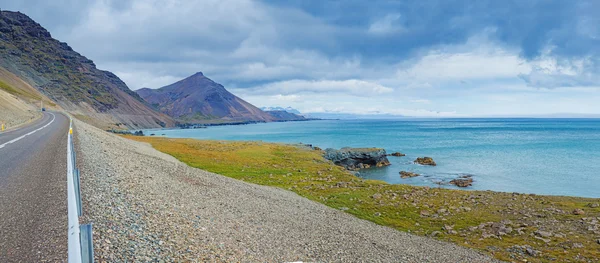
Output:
(33, 191)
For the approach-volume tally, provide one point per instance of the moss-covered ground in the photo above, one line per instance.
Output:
(509, 226)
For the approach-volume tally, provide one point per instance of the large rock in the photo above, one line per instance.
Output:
(357, 158)
(425, 161)
(405, 174)
(462, 182)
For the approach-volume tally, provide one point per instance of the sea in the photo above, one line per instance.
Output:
(539, 156)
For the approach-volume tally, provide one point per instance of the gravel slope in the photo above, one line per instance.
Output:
(147, 206)
(14, 112)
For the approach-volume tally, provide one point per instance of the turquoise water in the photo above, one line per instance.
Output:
(541, 156)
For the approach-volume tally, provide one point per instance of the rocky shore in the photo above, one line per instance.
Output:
(357, 158)
(148, 207)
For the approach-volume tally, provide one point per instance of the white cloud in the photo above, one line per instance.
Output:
(423, 101)
(352, 86)
(477, 64)
(386, 25)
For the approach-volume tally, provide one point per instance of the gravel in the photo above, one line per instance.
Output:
(147, 206)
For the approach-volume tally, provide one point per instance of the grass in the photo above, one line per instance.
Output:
(23, 94)
(418, 210)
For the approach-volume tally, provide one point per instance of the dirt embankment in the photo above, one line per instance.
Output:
(15, 112)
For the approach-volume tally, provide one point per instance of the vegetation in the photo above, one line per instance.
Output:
(509, 226)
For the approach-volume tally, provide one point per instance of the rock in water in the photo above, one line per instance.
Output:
(425, 161)
(398, 154)
(405, 174)
(462, 182)
(354, 158)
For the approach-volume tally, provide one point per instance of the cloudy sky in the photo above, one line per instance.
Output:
(417, 58)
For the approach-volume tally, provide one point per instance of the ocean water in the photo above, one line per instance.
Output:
(541, 156)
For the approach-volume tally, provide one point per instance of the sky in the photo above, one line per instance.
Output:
(446, 58)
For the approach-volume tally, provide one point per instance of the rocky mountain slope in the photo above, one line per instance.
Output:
(70, 79)
(198, 99)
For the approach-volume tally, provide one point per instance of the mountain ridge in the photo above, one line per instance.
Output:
(198, 99)
(69, 78)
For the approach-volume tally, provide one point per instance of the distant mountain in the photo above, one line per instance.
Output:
(70, 79)
(198, 99)
(351, 116)
(281, 115)
(287, 109)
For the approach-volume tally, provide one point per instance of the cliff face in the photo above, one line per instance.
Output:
(199, 99)
(70, 79)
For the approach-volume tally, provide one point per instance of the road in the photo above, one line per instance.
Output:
(33, 191)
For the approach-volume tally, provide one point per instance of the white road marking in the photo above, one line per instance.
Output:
(29, 133)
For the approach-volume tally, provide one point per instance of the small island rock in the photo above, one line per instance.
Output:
(462, 182)
(425, 161)
(405, 174)
(398, 154)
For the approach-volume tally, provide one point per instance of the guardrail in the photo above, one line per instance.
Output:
(80, 246)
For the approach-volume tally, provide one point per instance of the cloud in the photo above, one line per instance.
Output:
(389, 53)
(423, 101)
(550, 72)
(386, 25)
(351, 87)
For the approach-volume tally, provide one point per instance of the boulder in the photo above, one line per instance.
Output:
(425, 161)
(397, 154)
(405, 174)
(462, 182)
(578, 212)
(357, 158)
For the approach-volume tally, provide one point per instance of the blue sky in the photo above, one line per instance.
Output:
(416, 58)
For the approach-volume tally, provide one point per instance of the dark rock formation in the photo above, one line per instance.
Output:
(397, 154)
(405, 174)
(357, 158)
(425, 161)
(462, 182)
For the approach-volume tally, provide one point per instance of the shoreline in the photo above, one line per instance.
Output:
(509, 226)
(147, 205)
(446, 186)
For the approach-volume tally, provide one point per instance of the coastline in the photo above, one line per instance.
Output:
(508, 226)
(545, 158)
(147, 205)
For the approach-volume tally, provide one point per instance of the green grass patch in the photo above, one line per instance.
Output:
(467, 218)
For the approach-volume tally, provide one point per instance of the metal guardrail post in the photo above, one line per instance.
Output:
(87, 247)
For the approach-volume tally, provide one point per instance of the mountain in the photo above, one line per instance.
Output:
(70, 79)
(281, 115)
(287, 109)
(198, 99)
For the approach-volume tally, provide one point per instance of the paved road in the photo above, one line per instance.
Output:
(33, 191)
